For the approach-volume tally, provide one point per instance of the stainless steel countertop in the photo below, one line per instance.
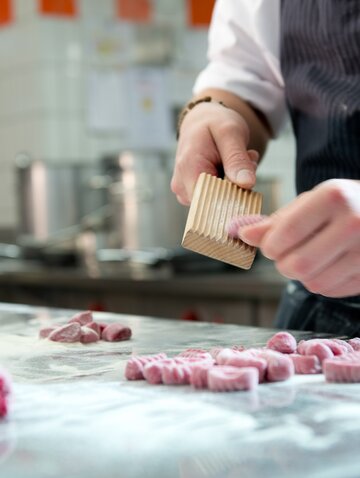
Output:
(75, 416)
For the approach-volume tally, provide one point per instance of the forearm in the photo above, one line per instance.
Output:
(260, 131)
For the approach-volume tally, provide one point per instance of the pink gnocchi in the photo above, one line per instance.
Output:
(306, 364)
(5, 392)
(226, 378)
(135, 365)
(344, 369)
(82, 328)
(282, 342)
(116, 332)
(68, 333)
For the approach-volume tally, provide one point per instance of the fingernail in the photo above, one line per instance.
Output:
(245, 176)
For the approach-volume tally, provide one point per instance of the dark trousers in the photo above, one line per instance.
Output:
(301, 310)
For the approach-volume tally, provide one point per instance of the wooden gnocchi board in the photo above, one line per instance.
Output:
(215, 202)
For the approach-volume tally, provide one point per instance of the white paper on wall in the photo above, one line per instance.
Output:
(148, 107)
(106, 109)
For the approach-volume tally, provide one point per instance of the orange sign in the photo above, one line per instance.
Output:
(6, 12)
(199, 12)
(63, 8)
(134, 10)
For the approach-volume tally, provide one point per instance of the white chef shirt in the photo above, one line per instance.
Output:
(244, 55)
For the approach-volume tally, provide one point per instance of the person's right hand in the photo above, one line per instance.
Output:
(213, 140)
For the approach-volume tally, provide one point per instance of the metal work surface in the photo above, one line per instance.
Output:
(74, 415)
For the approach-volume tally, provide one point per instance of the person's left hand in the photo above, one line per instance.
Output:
(316, 238)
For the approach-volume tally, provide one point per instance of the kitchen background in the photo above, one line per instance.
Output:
(89, 95)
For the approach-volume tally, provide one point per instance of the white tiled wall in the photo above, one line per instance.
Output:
(44, 63)
(42, 93)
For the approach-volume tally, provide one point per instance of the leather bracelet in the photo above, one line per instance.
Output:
(190, 106)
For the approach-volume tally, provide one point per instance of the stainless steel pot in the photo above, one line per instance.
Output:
(53, 199)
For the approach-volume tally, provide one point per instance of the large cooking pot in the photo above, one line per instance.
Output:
(54, 198)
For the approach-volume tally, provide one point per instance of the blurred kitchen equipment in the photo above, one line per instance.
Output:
(53, 200)
(123, 202)
(145, 213)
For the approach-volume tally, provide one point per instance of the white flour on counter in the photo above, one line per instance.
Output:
(32, 359)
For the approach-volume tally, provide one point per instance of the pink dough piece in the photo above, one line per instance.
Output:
(345, 369)
(152, 371)
(3, 406)
(45, 332)
(282, 342)
(321, 350)
(67, 333)
(223, 355)
(116, 332)
(135, 365)
(345, 346)
(306, 364)
(94, 326)
(336, 347)
(355, 343)
(199, 374)
(176, 373)
(225, 378)
(82, 318)
(5, 383)
(102, 326)
(353, 357)
(242, 359)
(279, 366)
(88, 335)
(238, 222)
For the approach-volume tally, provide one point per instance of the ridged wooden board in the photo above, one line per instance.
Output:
(215, 202)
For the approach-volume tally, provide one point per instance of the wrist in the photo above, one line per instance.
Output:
(190, 106)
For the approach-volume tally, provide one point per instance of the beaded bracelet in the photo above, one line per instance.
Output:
(190, 106)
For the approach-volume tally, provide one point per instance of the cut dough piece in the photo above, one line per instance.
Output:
(135, 365)
(116, 332)
(282, 342)
(67, 333)
(88, 335)
(82, 318)
(225, 378)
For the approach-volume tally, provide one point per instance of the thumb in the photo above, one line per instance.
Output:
(239, 163)
(241, 167)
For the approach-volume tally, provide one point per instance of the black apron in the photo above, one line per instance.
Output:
(320, 62)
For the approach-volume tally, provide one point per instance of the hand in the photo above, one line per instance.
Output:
(315, 239)
(213, 138)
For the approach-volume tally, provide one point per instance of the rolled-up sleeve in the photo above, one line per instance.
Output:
(243, 56)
